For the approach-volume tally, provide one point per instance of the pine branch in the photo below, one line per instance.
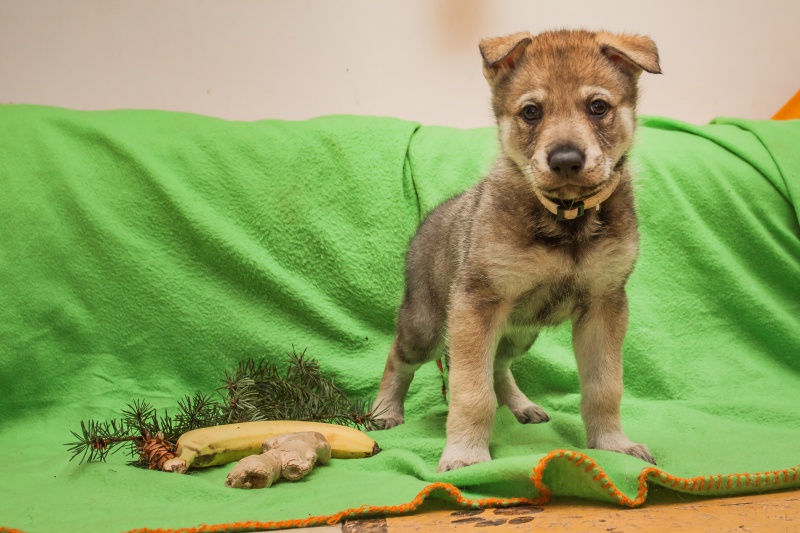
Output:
(196, 411)
(139, 416)
(98, 439)
(252, 390)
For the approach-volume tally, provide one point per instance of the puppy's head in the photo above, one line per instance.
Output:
(565, 104)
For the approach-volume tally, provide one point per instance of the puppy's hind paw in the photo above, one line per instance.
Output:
(531, 415)
(389, 422)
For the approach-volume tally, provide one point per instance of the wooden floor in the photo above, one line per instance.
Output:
(665, 510)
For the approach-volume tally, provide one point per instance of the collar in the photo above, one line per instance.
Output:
(576, 208)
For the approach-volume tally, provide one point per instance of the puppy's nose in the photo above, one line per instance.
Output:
(566, 161)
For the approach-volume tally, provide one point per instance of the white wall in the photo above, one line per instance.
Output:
(414, 59)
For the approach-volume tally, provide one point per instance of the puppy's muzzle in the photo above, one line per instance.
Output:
(566, 161)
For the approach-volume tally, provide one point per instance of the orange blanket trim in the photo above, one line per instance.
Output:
(713, 485)
(704, 485)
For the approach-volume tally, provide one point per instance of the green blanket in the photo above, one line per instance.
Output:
(144, 252)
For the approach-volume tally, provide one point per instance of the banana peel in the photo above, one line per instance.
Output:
(219, 445)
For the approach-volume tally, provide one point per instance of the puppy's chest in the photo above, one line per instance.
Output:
(547, 304)
(551, 285)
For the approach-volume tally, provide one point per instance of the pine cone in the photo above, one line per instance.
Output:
(155, 451)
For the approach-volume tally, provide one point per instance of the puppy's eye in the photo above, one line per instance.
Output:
(598, 108)
(531, 113)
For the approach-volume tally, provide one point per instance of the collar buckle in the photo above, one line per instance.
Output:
(577, 206)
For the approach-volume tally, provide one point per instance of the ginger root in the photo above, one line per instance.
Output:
(291, 456)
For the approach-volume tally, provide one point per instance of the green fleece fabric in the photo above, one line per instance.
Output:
(143, 252)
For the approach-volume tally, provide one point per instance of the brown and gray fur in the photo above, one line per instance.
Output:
(488, 269)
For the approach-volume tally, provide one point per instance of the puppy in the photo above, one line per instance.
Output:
(549, 235)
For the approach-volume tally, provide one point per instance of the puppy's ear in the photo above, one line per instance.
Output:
(502, 54)
(631, 52)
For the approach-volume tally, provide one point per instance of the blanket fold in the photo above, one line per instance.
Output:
(144, 252)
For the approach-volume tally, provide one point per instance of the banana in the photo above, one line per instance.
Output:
(219, 445)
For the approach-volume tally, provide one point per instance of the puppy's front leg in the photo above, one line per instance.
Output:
(473, 329)
(597, 336)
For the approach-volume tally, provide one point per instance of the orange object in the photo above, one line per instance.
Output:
(790, 110)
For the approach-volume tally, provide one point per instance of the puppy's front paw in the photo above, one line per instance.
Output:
(620, 444)
(531, 415)
(641, 451)
(455, 457)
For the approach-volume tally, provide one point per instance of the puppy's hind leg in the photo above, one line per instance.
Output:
(418, 336)
(397, 376)
(511, 347)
